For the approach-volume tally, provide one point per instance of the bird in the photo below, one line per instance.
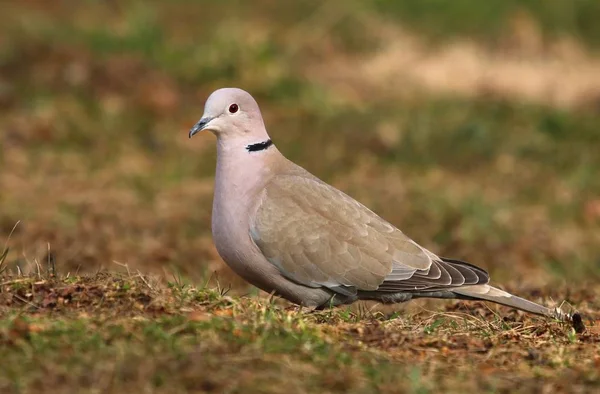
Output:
(289, 233)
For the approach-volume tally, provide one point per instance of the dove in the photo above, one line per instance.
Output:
(289, 233)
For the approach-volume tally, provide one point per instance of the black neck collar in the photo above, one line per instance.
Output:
(259, 146)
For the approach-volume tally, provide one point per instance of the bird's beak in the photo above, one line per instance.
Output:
(202, 123)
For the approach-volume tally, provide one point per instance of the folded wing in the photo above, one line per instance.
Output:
(320, 237)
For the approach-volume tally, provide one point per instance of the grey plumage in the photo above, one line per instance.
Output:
(287, 232)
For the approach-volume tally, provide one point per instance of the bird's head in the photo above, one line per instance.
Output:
(232, 114)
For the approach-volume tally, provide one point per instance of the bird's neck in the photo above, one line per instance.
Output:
(259, 146)
(244, 167)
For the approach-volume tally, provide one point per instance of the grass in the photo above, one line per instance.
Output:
(442, 20)
(114, 332)
(95, 167)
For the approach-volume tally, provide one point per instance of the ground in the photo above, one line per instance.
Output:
(472, 126)
(126, 332)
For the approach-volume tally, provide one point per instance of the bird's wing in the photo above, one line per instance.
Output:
(318, 236)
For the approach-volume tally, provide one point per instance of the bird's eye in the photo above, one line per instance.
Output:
(233, 108)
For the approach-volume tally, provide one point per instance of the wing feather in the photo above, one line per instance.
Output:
(318, 236)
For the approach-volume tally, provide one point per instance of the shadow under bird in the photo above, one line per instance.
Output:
(289, 233)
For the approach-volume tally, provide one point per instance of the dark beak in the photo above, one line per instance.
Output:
(199, 126)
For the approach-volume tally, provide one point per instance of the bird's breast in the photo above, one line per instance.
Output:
(236, 185)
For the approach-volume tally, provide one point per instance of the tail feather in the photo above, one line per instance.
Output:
(470, 292)
(493, 294)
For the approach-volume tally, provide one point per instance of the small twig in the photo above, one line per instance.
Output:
(12, 282)
(225, 291)
(144, 280)
(6, 248)
(2, 259)
(99, 271)
(271, 298)
(51, 262)
(206, 283)
(25, 301)
(32, 290)
(39, 269)
(10, 234)
(123, 265)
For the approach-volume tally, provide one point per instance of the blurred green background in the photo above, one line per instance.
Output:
(474, 126)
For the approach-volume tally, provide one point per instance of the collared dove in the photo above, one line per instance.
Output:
(289, 233)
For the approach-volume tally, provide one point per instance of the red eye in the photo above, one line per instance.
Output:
(233, 108)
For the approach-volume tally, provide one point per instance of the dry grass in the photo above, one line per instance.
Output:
(497, 166)
(122, 332)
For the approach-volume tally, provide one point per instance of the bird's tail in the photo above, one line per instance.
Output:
(493, 294)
